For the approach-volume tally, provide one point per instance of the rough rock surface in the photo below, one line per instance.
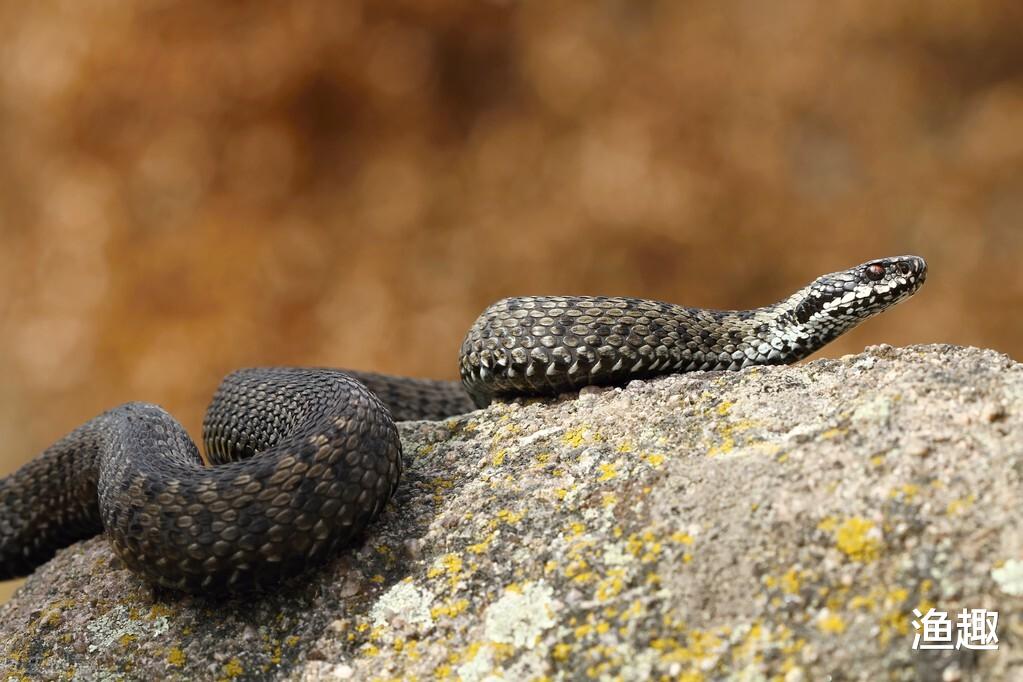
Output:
(775, 523)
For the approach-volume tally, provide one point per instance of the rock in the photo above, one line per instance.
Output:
(774, 522)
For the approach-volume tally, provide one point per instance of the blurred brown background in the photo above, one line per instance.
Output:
(191, 187)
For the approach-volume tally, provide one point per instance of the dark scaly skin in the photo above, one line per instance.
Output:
(322, 457)
(412, 399)
(546, 345)
(306, 458)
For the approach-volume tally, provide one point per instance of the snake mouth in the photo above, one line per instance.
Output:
(919, 266)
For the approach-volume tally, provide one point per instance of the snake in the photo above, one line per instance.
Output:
(302, 460)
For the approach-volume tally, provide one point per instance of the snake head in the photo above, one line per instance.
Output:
(834, 303)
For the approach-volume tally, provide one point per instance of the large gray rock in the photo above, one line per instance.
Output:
(774, 523)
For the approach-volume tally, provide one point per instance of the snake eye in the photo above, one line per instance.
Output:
(875, 271)
(904, 268)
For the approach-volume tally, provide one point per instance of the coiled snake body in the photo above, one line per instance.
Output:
(305, 458)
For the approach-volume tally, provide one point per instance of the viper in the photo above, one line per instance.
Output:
(303, 459)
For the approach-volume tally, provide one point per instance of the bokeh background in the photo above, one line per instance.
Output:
(190, 187)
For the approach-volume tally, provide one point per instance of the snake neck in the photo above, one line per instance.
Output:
(793, 328)
(779, 335)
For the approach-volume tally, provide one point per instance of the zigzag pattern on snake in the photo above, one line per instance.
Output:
(304, 459)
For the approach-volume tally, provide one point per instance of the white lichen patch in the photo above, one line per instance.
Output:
(879, 408)
(479, 668)
(540, 434)
(615, 555)
(405, 603)
(520, 617)
(1009, 577)
(116, 625)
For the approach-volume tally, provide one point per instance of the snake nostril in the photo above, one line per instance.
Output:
(904, 268)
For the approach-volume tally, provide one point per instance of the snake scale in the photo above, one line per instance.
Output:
(304, 459)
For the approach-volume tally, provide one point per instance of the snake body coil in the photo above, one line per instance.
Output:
(306, 458)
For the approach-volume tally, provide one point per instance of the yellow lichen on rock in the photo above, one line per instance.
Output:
(858, 538)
